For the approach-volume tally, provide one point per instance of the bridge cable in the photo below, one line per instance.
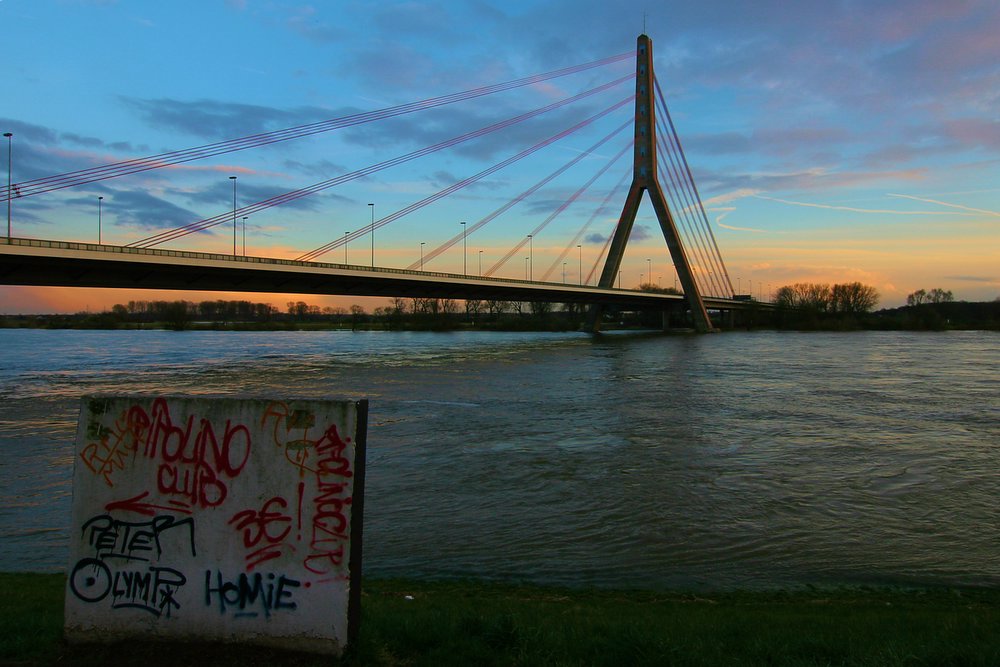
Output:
(170, 158)
(507, 206)
(343, 178)
(686, 204)
(701, 207)
(614, 194)
(538, 228)
(580, 232)
(310, 256)
(693, 245)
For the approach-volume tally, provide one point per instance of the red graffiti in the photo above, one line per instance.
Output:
(194, 461)
(331, 505)
(115, 445)
(268, 525)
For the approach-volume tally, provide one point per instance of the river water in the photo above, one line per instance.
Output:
(737, 460)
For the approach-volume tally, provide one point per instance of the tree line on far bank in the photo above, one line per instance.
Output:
(851, 306)
(798, 306)
(398, 314)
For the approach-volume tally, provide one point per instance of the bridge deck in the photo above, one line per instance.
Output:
(70, 264)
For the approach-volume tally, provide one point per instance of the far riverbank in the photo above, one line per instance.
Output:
(240, 316)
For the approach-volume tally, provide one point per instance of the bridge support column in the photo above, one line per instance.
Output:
(644, 180)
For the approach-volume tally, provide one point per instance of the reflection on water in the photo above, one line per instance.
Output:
(750, 459)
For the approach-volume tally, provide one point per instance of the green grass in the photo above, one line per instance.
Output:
(474, 623)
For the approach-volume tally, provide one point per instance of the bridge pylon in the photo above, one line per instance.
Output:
(644, 172)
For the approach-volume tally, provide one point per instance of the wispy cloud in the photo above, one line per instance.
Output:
(741, 229)
(853, 209)
(942, 203)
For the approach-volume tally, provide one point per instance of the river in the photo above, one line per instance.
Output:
(736, 460)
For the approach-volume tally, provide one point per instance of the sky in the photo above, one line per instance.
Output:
(831, 141)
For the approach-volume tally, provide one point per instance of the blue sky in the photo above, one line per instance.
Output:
(830, 141)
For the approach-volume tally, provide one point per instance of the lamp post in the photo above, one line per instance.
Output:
(465, 251)
(579, 249)
(480, 263)
(530, 260)
(345, 247)
(233, 179)
(245, 235)
(526, 260)
(649, 270)
(99, 200)
(619, 280)
(9, 190)
(422, 255)
(564, 273)
(372, 207)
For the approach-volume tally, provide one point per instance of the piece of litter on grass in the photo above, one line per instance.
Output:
(407, 597)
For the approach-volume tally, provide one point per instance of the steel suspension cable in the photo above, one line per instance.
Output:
(513, 201)
(701, 207)
(693, 245)
(200, 225)
(170, 158)
(690, 245)
(517, 247)
(465, 182)
(580, 232)
(689, 205)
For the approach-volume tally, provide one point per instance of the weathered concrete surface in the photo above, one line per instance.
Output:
(217, 519)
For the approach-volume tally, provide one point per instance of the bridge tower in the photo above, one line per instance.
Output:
(644, 170)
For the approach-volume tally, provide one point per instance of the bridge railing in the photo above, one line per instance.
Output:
(187, 254)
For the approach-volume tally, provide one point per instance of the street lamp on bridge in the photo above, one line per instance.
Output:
(480, 263)
(9, 191)
(530, 260)
(579, 249)
(465, 251)
(245, 235)
(345, 247)
(372, 207)
(422, 255)
(233, 179)
(99, 200)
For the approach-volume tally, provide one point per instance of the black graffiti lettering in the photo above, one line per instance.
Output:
(133, 541)
(151, 591)
(250, 595)
(90, 580)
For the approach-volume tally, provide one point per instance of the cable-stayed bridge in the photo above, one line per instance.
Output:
(658, 168)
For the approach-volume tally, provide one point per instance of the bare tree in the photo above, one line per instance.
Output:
(853, 298)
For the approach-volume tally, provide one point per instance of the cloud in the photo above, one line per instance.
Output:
(323, 169)
(595, 238)
(974, 279)
(941, 203)
(140, 209)
(446, 123)
(857, 210)
(640, 233)
(211, 119)
(741, 229)
(221, 194)
(805, 179)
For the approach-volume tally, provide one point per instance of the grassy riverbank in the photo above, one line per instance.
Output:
(472, 623)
